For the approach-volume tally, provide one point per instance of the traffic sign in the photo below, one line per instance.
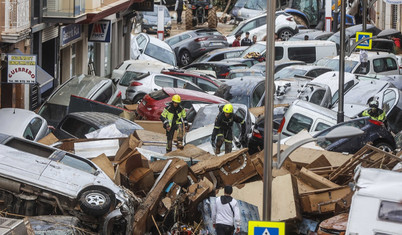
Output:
(366, 44)
(266, 228)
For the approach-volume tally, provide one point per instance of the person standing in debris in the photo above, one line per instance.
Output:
(173, 118)
(246, 41)
(178, 7)
(374, 112)
(223, 129)
(226, 214)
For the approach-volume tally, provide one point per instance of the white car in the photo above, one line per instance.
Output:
(23, 123)
(285, 27)
(144, 47)
(139, 67)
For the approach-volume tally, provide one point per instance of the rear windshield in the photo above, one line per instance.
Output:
(206, 33)
(158, 95)
(130, 76)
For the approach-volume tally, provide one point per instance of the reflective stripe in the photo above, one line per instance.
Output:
(219, 135)
(217, 127)
(228, 141)
(241, 122)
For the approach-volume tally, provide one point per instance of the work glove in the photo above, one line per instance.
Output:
(213, 143)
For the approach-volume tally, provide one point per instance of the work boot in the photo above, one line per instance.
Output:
(179, 145)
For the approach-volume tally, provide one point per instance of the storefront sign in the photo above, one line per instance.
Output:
(21, 68)
(396, 2)
(146, 5)
(69, 33)
(100, 31)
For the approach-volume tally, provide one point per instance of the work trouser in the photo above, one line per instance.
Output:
(223, 229)
(224, 136)
(170, 135)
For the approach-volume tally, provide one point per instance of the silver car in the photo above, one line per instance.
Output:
(36, 179)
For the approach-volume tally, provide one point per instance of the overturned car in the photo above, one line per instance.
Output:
(39, 180)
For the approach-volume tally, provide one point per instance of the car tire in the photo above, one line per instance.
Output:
(189, 19)
(212, 18)
(384, 147)
(138, 99)
(285, 34)
(300, 20)
(95, 202)
(185, 58)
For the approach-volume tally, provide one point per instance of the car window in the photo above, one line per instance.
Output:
(261, 21)
(206, 85)
(317, 96)
(206, 33)
(33, 128)
(249, 26)
(105, 95)
(257, 94)
(384, 64)
(306, 54)
(316, 72)
(128, 76)
(77, 163)
(299, 122)
(163, 81)
(141, 41)
(180, 83)
(363, 68)
(184, 36)
(237, 126)
(160, 53)
(390, 211)
(76, 127)
(173, 40)
(389, 100)
(278, 53)
(217, 57)
(185, 77)
(321, 126)
(232, 54)
(158, 95)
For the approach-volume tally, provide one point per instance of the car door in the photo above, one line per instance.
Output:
(138, 45)
(68, 175)
(391, 100)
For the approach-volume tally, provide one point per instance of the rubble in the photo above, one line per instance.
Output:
(311, 186)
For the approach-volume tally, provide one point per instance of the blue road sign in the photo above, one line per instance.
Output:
(266, 228)
(365, 44)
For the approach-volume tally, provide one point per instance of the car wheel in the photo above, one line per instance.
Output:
(95, 202)
(384, 147)
(285, 34)
(185, 57)
(138, 99)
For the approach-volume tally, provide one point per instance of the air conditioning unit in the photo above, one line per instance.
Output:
(10, 226)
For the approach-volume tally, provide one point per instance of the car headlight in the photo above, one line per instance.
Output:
(168, 24)
(144, 21)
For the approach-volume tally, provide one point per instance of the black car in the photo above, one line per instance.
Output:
(374, 132)
(221, 54)
(78, 124)
(243, 90)
(220, 68)
(190, 45)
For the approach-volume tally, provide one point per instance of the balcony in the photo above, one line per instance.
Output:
(64, 11)
(14, 20)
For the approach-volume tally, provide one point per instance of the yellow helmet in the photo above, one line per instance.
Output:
(176, 99)
(228, 108)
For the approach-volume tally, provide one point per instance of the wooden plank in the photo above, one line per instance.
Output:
(105, 164)
(315, 180)
(323, 201)
(285, 199)
(321, 161)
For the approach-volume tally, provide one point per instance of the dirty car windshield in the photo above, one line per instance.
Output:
(131, 75)
(289, 73)
(160, 53)
(260, 48)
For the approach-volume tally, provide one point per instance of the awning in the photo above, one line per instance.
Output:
(44, 80)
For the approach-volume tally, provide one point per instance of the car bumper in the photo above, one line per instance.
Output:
(154, 29)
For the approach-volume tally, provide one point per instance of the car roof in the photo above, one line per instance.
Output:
(226, 49)
(98, 119)
(305, 67)
(371, 55)
(15, 120)
(190, 94)
(242, 85)
(148, 66)
(314, 108)
(158, 42)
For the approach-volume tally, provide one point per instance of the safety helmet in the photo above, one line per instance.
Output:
(373, 104)
(228, 108)
(176, 99)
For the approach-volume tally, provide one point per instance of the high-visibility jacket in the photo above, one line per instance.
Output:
(378, 115)
(173, 115)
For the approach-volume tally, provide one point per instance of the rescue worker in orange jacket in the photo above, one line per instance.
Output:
(173, 118)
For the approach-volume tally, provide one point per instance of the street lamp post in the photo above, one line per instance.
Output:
(336, 133)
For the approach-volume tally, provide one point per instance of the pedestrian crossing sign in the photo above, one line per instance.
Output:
(366, 44)
(266, 228)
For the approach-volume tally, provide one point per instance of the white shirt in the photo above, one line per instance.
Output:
(222, 214)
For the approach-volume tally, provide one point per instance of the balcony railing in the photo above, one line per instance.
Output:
(64, 8)
(16, 16)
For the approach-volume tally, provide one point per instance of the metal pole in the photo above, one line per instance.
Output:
(364, 21)
(341, 64)
(269, 104)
